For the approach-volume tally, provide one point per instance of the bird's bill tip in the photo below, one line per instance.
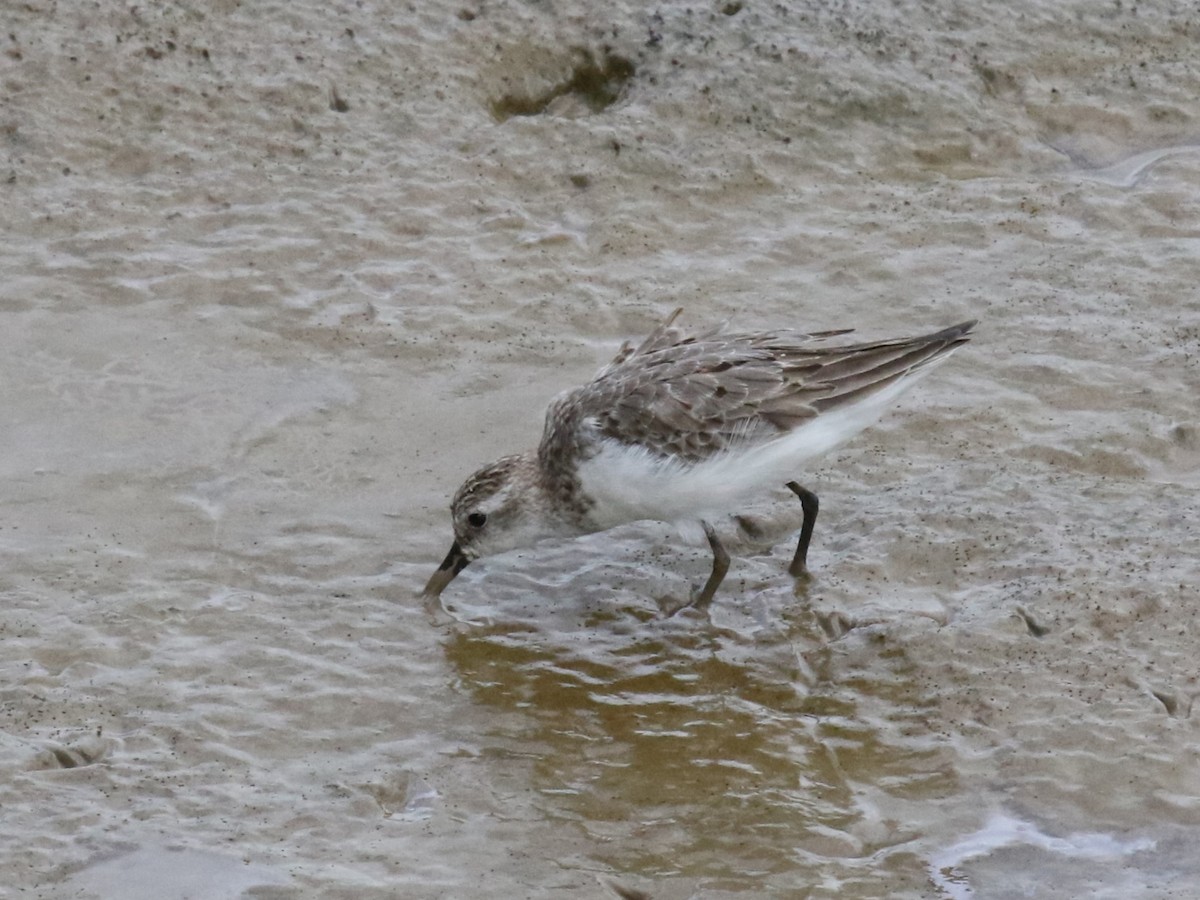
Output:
(454, 563)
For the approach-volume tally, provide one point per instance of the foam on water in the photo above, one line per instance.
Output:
(170, 873)
(1107, 872)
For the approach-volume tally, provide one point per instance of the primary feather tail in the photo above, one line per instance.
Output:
(840, 391)
(855, 386)
(851, 374)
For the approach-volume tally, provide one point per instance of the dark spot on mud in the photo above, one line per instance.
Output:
(1169, 702)
(336, 103)
(751, 527)
(1036, 629)
(624, 891)
(597, 82)
(1186, 436)
(65, 759)
(58, 756)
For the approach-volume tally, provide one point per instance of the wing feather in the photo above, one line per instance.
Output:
(692, 397)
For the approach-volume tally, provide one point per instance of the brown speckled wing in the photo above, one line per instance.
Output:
(691, 397)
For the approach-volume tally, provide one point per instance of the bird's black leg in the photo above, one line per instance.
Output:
(808, 500)
(704, 596)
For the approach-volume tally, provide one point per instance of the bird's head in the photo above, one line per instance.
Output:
(498, 508)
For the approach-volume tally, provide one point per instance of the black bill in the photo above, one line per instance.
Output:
(454, 563)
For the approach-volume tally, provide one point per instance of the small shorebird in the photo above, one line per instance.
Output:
(687, 428)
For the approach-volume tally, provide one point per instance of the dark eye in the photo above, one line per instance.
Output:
(477, 520)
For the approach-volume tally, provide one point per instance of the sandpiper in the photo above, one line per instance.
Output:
(687, 428)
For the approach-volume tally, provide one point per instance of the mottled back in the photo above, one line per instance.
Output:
(690, 397)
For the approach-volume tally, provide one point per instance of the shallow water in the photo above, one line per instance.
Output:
(274, 278)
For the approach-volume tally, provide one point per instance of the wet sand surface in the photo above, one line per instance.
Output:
(275, 277)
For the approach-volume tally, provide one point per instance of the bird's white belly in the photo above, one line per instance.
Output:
(627, 482)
